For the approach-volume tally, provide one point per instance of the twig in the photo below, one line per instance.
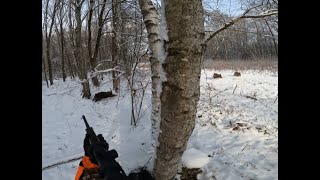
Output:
(251, 97)
(61, 162)
(239, 153)
(234, 89)
(237, 145)
(146, 163)
(260, 102)
(143, 92)
(96, 73)
(220, 92)
(100, 63)
(267, 106)
(275, 99)
(143, 113)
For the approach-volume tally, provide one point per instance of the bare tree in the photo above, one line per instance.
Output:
(61, 16)
(273, 37)
(71, 39)
(115, 53)
(80, 62)
(44, 72)
(243, 16)
(241, 36)
(48, 34)
(93, 56)
(181, 88)
(123, 54)
(44, 64)
(151, 20)
(70, 67)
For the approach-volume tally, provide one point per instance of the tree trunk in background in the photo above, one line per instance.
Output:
(70, 66)
(44, 71)
(44, 64)
(80, 63)
(225, 49)
(115, 56)
(48, 37)
(62, 54)
(123, 44)
(181, 90)
(99, 34)
(71, 37)
(273, 38)
(49, 61)
(62, 41)
(93, 63)
(259, 49)
(151, 20)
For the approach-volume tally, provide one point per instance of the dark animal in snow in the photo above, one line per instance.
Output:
(237, 73)
(216, 75)
(102, 95)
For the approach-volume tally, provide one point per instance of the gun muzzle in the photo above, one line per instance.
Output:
(85, 122)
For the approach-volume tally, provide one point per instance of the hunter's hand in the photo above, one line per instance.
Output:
(88, 148)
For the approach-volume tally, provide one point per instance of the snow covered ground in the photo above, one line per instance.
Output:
(235, 138)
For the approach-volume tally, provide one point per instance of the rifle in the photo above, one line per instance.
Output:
(105, 158)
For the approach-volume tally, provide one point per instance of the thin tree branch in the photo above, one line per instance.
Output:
(62, 162)
(250, 97)
(96, 73)
(243, 16)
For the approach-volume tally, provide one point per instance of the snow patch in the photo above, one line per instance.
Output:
(193, 158)
(237, 134)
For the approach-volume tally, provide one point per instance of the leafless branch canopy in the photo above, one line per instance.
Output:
(243, 16)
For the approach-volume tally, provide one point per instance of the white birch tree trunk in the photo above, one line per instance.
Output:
(181, 88)
(151, 20)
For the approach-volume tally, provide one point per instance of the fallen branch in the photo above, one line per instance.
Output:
(251, 97)
(260, 102)
(96, 73)
(50, 94)
(100, 63)
(234, 89)
(61, 162)
(220, 92)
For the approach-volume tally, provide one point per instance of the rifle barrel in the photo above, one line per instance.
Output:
(85, 121)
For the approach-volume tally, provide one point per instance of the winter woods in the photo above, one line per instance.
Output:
(90, 40)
